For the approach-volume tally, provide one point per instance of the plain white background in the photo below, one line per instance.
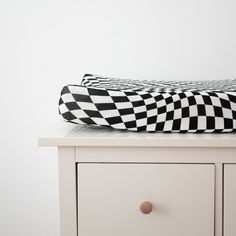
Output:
(46, 44)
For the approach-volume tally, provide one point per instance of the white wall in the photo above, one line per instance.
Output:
(45, 44)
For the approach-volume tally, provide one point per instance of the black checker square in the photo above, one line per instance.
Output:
(234, 115)
(145, 96)
(97, 92)
(152, 120)
(126, 111)
(82, 98)
(138, 103)
(225, 103)
(193, 123)
(161, 110)
(153, 106)
(170, 115)
(142, 128)
(93, 113)
(160, 126)
(177, 104)
(207, 99)
(105, 106)
(185, 112)
(191, 100)
(120, 99)
(176, 124)
(169, 100)
(88, 121)
(65, 90)
(210, 122)
(114, 120)
(218, 111)
(72, 106)
(182, 95)
(228, 123)
(201, 110)
(140, 115)
(130, 124)
(68, 116)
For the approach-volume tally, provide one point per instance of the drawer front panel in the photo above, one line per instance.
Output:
(230, 200)
(111, 199)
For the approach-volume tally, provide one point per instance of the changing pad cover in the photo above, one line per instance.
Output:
(151, 105)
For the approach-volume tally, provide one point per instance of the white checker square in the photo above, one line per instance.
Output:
(227, 130)
(199, 99)
(79, 113)
(223, 96)
(219, 123)
(109, 113)
(161, 103)
(184, 123)
(188, 93)
(202, 122)
(170, 107)
(184, 102)
(209, 110)
(168, 125)
(193, 111)
(203, 93)
(209, 131)
(151, 127)
(227, 113)
(100, 121)
(141, 122)
(78, 90)
(67, 97)
(177, 114)
(135, 98)
(127, 118)
(175, 97)
(140, 109)
(86, 106)
(101, 99)
(143, 92)
(118, 126)
(115, 93)
(133, 129)
(151, 113)
(63, 108)
(161, 117)
(216, 101)
(149, 101)
(124, 105)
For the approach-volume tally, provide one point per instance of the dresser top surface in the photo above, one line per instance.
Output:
(65, 134)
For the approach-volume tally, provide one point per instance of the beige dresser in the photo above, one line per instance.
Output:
(144, 184)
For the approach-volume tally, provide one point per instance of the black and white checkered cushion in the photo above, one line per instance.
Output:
(167, 106)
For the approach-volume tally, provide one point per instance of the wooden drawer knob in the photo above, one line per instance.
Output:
(146, 207)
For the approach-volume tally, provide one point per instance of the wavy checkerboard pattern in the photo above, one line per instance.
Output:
(154, 106)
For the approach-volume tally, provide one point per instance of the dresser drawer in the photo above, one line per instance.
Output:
(145, 199)
(229, 200)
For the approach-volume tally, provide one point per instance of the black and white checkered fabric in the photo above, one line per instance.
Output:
(166, 106)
